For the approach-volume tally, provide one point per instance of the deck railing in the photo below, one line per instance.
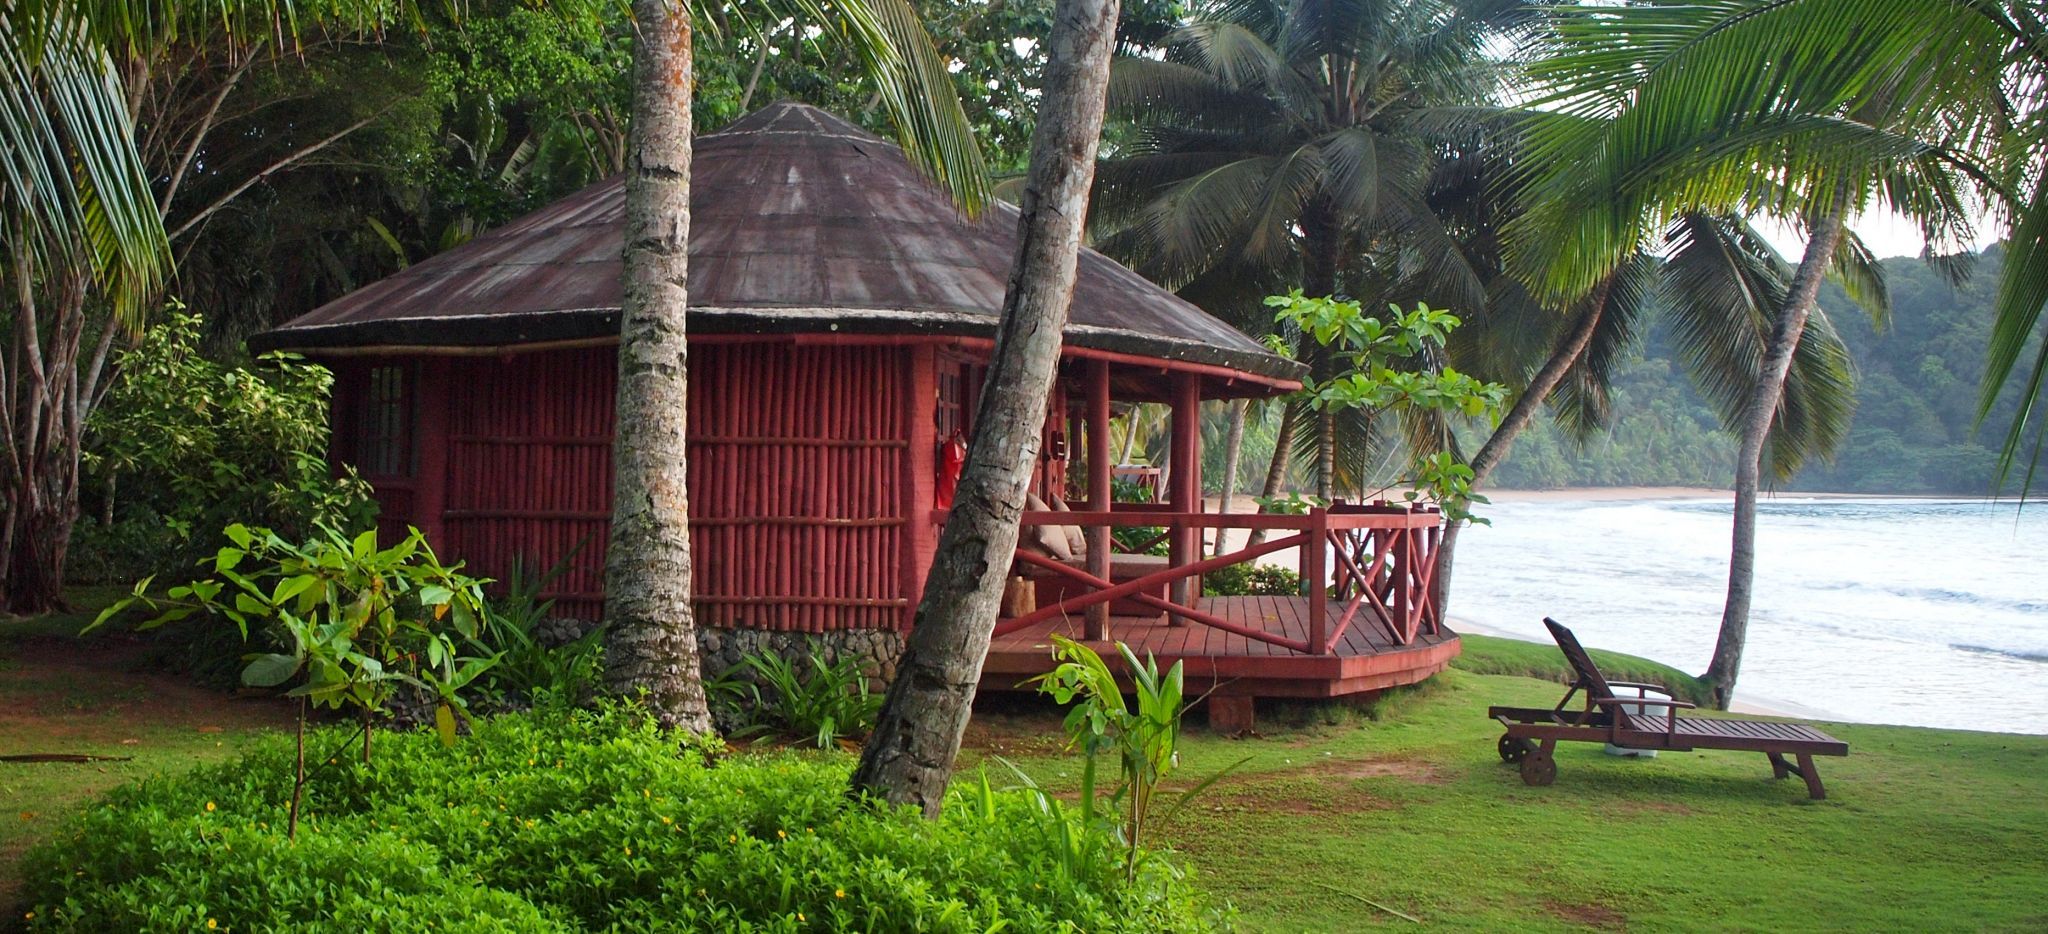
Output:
(1371, 565)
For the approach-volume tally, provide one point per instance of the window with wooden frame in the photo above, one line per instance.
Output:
(384, 428)
(959, 379)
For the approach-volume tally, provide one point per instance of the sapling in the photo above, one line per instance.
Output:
(360, 623)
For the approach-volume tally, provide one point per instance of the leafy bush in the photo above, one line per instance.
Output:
(1236, 580)
(529, 665)
(1141, 540)
(573, 820)
(360, 622)
(184, 445)
(767, 694)
(1143, 735)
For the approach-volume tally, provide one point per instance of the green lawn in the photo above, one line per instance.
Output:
(1405, 804)
(60, 693)
(1412, 808)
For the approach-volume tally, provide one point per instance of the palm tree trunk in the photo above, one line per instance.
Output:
(1758, 412)
(1280, 466)
(1233, 453)
(652, 646)
(908, 759)
(1323, 244)
(1495, 450)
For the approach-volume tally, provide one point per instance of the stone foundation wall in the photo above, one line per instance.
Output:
(722, 649)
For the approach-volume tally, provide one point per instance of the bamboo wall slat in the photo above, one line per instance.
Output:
(797, 462)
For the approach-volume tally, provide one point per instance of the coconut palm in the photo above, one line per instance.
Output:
(1663, 110)
(1286, 141)
(69, 172)
(652, 641)
(909, 757)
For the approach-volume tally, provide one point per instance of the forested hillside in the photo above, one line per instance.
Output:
(1915, 422)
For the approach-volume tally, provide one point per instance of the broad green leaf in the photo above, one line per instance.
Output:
(444, 724)
(269, 671)
(292, 586)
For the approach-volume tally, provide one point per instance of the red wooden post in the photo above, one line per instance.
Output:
(1404, 583)
(1099, 489)
(1185, 490)
(1434, 614)
(1312, 560)
(920, 469)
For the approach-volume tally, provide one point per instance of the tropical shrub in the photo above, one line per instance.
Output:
(1236, 580)
(530, 666)
(360, 624)
(821, 704)
(184, 445)
(1385, 365)
(562, 819)
(1143, 735)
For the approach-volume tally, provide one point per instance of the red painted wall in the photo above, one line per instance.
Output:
(809, 474)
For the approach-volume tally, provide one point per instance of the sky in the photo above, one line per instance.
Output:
(1886, 234)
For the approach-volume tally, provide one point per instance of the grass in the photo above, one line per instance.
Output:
(1409, 806)
(1403, 803)
(60, 693)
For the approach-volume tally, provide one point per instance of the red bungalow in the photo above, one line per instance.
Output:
(841, 313)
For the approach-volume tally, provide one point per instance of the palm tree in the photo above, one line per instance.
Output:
(909, 757)
(85, 226)
(1664, 110)
(652, 641)
(1288, 141)
(78, 215)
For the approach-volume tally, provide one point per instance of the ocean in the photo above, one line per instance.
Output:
(1908, 611)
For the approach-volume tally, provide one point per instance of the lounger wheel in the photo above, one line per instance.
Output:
(1514, 748)
(1538, 768)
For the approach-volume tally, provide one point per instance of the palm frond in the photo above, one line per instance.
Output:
(1723, 287)
(1859, 274)
(68, 160)
(2022, 291)
(1582, 403)
(911, 77)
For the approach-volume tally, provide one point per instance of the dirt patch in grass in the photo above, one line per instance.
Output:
(1414, 770)
(1592, 916)
(90, 692)
(1298, 799)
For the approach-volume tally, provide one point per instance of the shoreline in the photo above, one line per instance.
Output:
(1757, 706)
(1611, 494)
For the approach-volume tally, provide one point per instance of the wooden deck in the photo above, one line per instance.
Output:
(1365, 659)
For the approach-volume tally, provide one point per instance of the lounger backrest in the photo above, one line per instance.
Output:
(1590, 678)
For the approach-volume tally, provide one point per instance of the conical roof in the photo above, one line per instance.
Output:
(800, 222)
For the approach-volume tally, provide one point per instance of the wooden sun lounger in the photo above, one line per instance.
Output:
(1646, 723)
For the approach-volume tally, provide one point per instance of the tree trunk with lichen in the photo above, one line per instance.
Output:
(1759, 411)
(651, 649)
(1233, 456)
(909, 757)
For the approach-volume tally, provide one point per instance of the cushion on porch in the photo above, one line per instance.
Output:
(1051, 541)
(1077, 542)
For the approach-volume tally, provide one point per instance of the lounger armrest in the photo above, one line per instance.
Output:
(1646, 701)
(1638, 684)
